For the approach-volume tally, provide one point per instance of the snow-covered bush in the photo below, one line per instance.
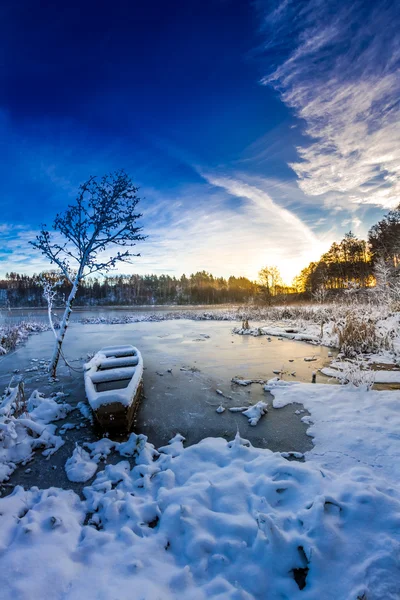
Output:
(357, 376)
(12, 335)
(24, 427)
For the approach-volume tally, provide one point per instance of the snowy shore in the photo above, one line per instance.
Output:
(219, 519)
(366, 337)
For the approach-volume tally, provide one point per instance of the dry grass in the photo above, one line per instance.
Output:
(359, 335)
(20, 401)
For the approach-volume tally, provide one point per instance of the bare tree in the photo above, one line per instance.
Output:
(102, 217)
(270, 280)
(320, 294)
(49, 283)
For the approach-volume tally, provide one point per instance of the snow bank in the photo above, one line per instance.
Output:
(351, 427)
(24, 427)
(280, 331)
(378, 376)
(220, 520)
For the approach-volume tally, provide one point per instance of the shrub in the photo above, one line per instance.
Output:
(358, 335)
(359, 377)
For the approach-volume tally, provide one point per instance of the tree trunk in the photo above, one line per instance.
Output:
(63, 329)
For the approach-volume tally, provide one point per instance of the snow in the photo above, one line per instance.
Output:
(378, 376)
(220, 520)
(93, 376)
(21, 433)
(350, 426)
(246, 382)
(101, 449)
(116, 374)
(79, 467)
(254, 413)
(280, 332)
(47, 409)
(111, 363)
(85, 411)
(118, 351)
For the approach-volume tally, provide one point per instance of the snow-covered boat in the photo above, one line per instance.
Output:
(113, 384)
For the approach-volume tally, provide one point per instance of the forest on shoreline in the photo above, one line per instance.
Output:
(352, 263)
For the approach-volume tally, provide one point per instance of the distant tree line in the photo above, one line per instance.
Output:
(352, 262)
(200, 288)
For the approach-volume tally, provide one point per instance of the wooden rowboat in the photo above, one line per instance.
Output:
(113, 384)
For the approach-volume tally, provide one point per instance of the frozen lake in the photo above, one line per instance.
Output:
(203, 356)
(15, 315)
(184, 401)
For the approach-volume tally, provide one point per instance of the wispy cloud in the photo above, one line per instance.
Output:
(225, 225)
(342, 77)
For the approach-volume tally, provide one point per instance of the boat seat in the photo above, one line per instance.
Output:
(113, 374)
(121, 361)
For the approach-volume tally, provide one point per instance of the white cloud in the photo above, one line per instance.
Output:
(203, 231)
(343, 79)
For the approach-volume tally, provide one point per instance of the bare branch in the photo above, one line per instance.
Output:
(102, 215)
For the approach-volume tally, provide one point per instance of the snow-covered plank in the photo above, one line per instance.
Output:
(113, 374)
(122, 361)
(116, 351)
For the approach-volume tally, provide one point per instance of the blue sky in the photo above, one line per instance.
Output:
(258, 132)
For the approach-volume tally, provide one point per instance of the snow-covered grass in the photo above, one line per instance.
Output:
(239, 313)
(12, 335)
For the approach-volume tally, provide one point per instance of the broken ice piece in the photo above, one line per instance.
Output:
(292, 454)
(254, 413)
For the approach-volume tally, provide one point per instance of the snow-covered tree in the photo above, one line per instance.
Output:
(320, 294)
(87, 235)
(50, 282)
(383, 276)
